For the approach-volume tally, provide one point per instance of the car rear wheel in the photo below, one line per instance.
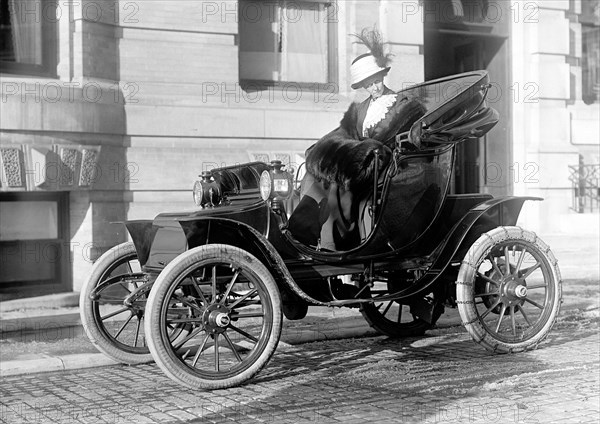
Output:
(509, 290)
(232, 304)
(391, 318)
(114, 328)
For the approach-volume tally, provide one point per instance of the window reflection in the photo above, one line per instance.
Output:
(28, 220)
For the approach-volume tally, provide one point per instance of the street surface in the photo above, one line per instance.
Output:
(443, 377)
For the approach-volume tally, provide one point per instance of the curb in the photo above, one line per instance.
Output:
(49, 363)
(49, 301)
(20, 321)
(351, 328)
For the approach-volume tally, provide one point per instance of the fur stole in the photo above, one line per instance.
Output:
(342, 157)
(349, 162)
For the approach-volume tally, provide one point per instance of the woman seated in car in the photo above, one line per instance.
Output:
(340, 166)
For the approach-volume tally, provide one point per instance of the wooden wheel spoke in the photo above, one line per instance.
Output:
(534, 303)
(230, 286)
(214, 283)
(537, 286)
(507, 258)
(199, 291)
(188, 303)
(216, 337)
(232, 346)
(520, 262)
(243, 333)
(189, 320)
(112, 314)
(188, 338)
(525, 316)
(502, 311)
(512, 320)
(494, 264)
(248, 315)
(399, 313)
(137, 331)
(124, 325)
(486, 294)
(528, 271)
(200, 350)
(251, 293)
(488, 279)
(491, 308)
(247, 303)
(387, 308)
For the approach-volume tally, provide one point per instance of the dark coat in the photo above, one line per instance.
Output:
(345, 157)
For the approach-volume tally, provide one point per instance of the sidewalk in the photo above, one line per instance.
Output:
(54, 340)
(45, 333)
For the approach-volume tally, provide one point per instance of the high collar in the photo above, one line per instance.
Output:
(386, 91)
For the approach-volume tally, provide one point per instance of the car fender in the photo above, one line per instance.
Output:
(490, 214)
(201, 231)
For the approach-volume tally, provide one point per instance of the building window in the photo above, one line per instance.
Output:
(34, 244)
(287, 41)
(590, 51)
(590, 64)
(28, 37)
(457, 11)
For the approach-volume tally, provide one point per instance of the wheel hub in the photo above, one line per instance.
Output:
(216, 318)
(513, 291)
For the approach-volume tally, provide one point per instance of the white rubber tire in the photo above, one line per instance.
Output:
(161, 348)
(88, 313)
(465, 290)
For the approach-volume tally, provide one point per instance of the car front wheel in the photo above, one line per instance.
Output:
(509, 290)
(231, 303)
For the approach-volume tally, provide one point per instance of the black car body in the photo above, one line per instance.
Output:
(200, 274)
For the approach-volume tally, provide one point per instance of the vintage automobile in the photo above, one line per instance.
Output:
(203, 293)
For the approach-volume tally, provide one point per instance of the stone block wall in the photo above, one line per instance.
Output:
(153, 87)
(552, 125)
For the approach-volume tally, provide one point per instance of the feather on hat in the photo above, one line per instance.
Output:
(371, 38)
(369, 64)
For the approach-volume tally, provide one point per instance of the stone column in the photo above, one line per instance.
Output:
(541, 92)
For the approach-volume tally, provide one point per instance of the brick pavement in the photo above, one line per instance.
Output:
(441, 378)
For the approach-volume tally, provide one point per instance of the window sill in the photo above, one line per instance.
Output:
(264, 85)
(19, 70)
(6, 76)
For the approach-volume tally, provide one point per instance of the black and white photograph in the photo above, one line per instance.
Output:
(299, 211)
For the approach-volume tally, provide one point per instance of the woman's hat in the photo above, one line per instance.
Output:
(369, 64)
(363, 67)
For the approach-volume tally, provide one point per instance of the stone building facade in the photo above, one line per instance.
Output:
(556, 119)
(111, 109)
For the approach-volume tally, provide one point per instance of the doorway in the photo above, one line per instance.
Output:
(457, 50)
